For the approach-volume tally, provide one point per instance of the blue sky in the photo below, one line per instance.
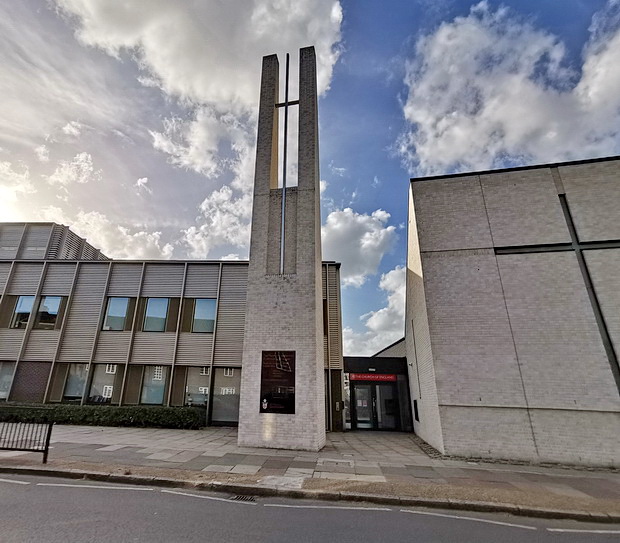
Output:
(134, 122)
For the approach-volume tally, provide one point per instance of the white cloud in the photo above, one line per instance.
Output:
(194, 144)
(72, 128)
(79, 170)
(206, 52)
(383, 326)
(225, 221)
(13, 184)
(47, 81)
(42, 153)
(490, 90)
(225, 214)
(340, 172)
(357, 240)
(142, 185)
(114, 240)
(231, 256)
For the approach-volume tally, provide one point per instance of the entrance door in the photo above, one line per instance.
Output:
(364, 412)
(374, 406)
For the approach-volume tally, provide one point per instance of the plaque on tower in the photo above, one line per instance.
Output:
(277, 384)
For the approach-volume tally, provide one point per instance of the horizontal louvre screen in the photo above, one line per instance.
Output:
(231, 315)
(10, 236)
(202, 280)
(112, 347)
(83, 315)
(163, 280)
(58, 279)
(194, 349)
(125, 279)
(5, 268)
(35, 241)
(25, 279)
(10, 343)
(41, 345)
(153, 348)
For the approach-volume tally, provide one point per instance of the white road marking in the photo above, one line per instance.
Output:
(14, 481)
(96, 486)
(583, 531)
(326, 507)
(469, 518)
(207, 497)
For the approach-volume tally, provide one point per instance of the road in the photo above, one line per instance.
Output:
(63, 510)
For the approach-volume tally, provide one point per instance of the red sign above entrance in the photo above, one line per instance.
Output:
(372, 377)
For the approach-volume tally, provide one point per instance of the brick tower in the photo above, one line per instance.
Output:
(282, 385)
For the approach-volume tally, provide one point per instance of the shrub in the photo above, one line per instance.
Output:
(188, 418)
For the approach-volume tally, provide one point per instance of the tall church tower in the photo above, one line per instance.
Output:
(282, 384)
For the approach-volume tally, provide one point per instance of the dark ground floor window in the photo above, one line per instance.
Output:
(226, 389)
(197, 386)
(76, 380)
(6, 378)
(154, 384)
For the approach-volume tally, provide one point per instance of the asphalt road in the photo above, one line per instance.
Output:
(62, 510)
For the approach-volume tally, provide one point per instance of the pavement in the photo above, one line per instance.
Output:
(378, 467)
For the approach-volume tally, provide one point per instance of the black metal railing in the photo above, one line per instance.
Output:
(31, 436)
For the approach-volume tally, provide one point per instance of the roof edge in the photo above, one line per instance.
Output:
(516, 168)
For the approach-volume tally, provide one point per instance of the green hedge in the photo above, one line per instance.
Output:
(189, 418)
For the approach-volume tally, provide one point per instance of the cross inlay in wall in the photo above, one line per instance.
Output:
(578, 247)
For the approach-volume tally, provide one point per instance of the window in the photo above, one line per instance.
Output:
(107, 379)
(225, 394)
(197, 386)
(204, 315)
(6, 378)
(156, 315)
(76, 379)
(116, 314)
(21, 314)
(48, 314)
(154, 384)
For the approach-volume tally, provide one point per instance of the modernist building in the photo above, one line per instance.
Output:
(259, 343)
(512, 320)
(77, 327)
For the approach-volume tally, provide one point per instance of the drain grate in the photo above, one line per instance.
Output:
(242, 498)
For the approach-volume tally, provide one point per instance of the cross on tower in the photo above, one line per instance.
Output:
(285, 105)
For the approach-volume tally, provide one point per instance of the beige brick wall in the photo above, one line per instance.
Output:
(592, 194)
(285, 312)
(509, 355)
(604, 266)
(523, 208)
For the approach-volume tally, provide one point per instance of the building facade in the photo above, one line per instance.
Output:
(512, 322)
(96, 331)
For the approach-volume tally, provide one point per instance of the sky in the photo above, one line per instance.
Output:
(134, 122)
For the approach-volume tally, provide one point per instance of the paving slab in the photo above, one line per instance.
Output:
(390, 464)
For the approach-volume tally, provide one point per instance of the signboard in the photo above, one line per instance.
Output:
(372, 377)
(277, 382)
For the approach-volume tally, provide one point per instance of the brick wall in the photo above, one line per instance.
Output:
(509, 343)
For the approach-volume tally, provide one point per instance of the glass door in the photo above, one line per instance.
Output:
(363, 406)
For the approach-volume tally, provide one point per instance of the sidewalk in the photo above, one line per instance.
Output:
(369, 465)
